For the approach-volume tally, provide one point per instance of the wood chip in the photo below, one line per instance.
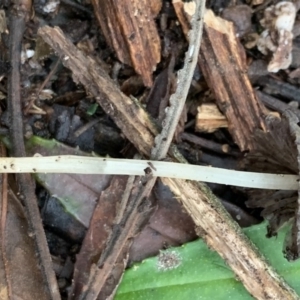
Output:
(209, 118)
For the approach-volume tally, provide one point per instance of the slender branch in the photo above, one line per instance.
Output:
(185, 75)
(18, 18)
(276, 104)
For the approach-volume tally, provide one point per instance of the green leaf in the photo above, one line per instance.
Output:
(202, 274)
(92, 109)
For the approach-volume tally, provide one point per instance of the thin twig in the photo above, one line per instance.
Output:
(210, 145)
(276, 104)
(85, 127)
(177, 100)
(78, 6)
(285, 89)
(17, 25)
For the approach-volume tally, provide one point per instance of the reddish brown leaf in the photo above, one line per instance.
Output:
(19, 266)
(99, 230)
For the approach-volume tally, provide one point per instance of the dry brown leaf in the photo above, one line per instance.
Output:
(97, 235)
(19, 264)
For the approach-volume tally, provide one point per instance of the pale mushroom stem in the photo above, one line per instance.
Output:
(99, 165)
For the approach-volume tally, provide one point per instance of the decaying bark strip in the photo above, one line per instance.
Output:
(182, 16)
(130, 29)
(227, 239)
(222, 61)
(217, 227)
(223, 64)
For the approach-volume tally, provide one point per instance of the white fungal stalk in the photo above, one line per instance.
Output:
(98, 165)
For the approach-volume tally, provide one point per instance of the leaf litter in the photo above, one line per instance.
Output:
(82, 200)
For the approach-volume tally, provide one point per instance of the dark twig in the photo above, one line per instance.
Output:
(283, 88)
(210, 145)
(27, 192)
(85, 127)
(276, 104)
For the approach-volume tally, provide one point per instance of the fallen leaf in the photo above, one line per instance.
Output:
(78, 194)
(19, 264)
(196, 272)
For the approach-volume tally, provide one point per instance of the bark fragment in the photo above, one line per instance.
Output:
(222, 61)
(129, 28)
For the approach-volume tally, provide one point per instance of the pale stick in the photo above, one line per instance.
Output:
(99, 165)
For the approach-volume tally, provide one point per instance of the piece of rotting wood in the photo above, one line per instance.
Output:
(182, 15)
(129, 28)
(222, 61)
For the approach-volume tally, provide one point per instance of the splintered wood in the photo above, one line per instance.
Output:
(183, 14)
(129, 28)
(222, 61)
(209, 118)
